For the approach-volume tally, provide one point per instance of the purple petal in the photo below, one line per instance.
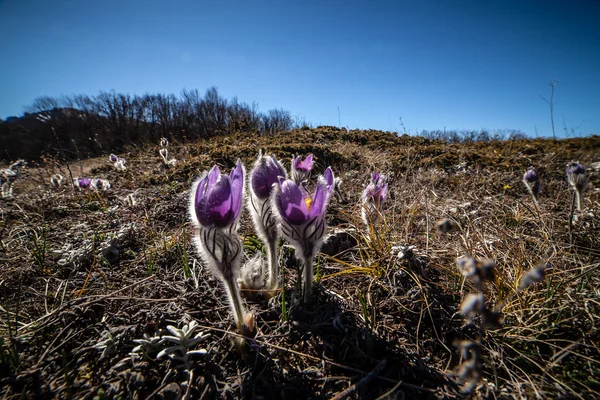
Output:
(531, 175)
(84, 182)
(113, 158)
(213, 175)
(200, 192)
(265, 173)
(215, 206)
(319, 202)
(305, 165)
(237, 188)
(292, 205)
(575, 169)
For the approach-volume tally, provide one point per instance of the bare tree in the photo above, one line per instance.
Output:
(550, 102)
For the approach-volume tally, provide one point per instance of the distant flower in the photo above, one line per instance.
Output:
(301, 169)
(100, 184)
(372, 199)
(531, 179)
(164, 142)
(82, 183)
(477, 270)
(266, 173)
(534, 275)
(56, 180)
(472, 305)
(215, 207)
(577, 181)
(302, 218)
(118, 162)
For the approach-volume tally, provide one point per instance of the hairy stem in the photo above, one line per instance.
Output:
(273, 276)
(578, 200)
(233, 293)
(307, 273)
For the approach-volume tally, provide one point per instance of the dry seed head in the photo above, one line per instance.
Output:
(446, 225)
(473, 304)
(476, 270)
(534, 275)
(493, 319)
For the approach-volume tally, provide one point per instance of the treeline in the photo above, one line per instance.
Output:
(84, 126)
(469, 136)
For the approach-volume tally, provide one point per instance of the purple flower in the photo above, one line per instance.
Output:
(121, 160)
(164, 142)
(301, 168)
(531, 175)
(373, 197)
(113, 158)
(531, 179)
(215, 205)
(265, 173)
(577, 181)
(100, 184)
(296, 205)
(83, 183)
(302, 218)
(218, 197)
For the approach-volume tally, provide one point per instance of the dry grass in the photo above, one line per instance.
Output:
(382, 326)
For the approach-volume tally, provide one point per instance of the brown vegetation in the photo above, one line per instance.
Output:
(84, 274)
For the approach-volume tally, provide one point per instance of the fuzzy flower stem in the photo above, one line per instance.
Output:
(233, 294)
(307, 272)
(273, 276)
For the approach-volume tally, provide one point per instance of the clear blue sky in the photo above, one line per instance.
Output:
(463, 64)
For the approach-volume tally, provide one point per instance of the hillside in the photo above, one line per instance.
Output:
(84, 274)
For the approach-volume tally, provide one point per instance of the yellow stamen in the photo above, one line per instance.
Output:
(308, 202)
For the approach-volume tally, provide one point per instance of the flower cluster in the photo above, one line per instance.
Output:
(276, 204)
(83, 183)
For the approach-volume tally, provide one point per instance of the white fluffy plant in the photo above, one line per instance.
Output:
(265, 173)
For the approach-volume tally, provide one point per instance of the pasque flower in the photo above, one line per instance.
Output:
(531, 179)
(577, 181)
(266, 173)
(100, 184)
(372, 198)
(164, 142)
(119, 162)
(302, 218)
(301, 169)
(82, 183)
(215, 206)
